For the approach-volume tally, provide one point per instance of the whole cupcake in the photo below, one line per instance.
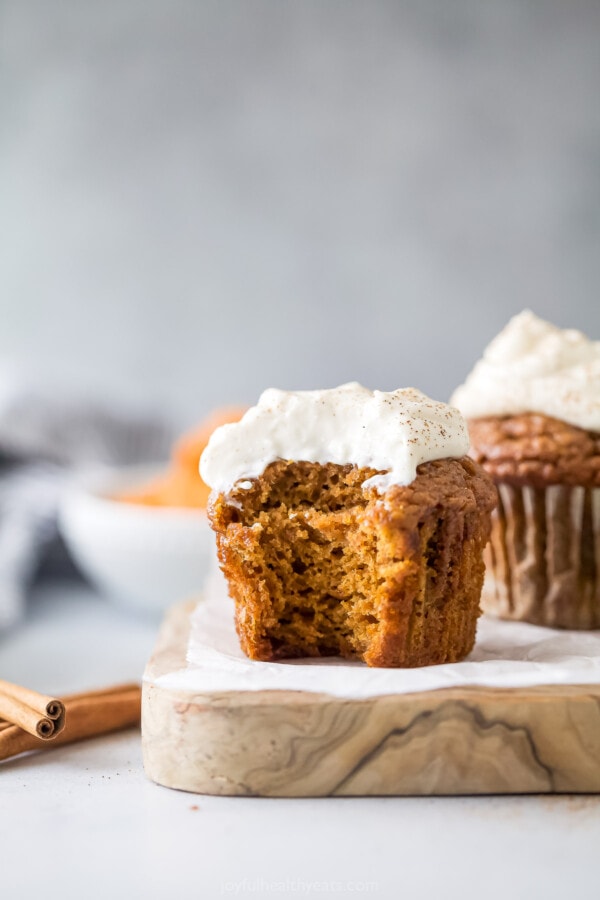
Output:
(350, 523)
(533, 407)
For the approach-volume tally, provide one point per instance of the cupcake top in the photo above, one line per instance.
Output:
(534, 367)
(392, 432)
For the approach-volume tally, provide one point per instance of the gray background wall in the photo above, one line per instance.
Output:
(200, 199)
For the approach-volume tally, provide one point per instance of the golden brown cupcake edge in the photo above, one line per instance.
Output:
(535, 450)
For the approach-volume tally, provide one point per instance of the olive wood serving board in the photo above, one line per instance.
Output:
(473, 740)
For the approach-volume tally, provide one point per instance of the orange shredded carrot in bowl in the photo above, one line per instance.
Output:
(181, 485)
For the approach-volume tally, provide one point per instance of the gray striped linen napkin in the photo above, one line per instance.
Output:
(45, 438)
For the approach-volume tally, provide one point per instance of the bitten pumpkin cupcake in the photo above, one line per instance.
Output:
(350, 523)
(533, 408)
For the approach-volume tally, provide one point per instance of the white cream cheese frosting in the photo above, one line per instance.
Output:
(393, 432)
(533, 366)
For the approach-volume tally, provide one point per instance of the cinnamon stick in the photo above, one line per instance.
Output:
(87, 715)
(41, 716)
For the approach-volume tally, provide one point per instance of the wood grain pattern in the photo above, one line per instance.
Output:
(296, 744)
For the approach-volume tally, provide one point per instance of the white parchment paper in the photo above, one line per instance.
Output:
(506, 654)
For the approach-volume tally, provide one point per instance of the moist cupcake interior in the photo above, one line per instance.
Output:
(317, 558)
(325, 567)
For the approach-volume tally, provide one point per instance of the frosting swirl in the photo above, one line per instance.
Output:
(534, 367)
(393, 432)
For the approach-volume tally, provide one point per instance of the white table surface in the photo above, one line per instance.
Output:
(84, 822)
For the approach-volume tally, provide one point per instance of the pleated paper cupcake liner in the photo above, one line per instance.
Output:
(543, 559)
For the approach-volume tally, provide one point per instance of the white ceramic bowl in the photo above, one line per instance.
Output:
(141, 556)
